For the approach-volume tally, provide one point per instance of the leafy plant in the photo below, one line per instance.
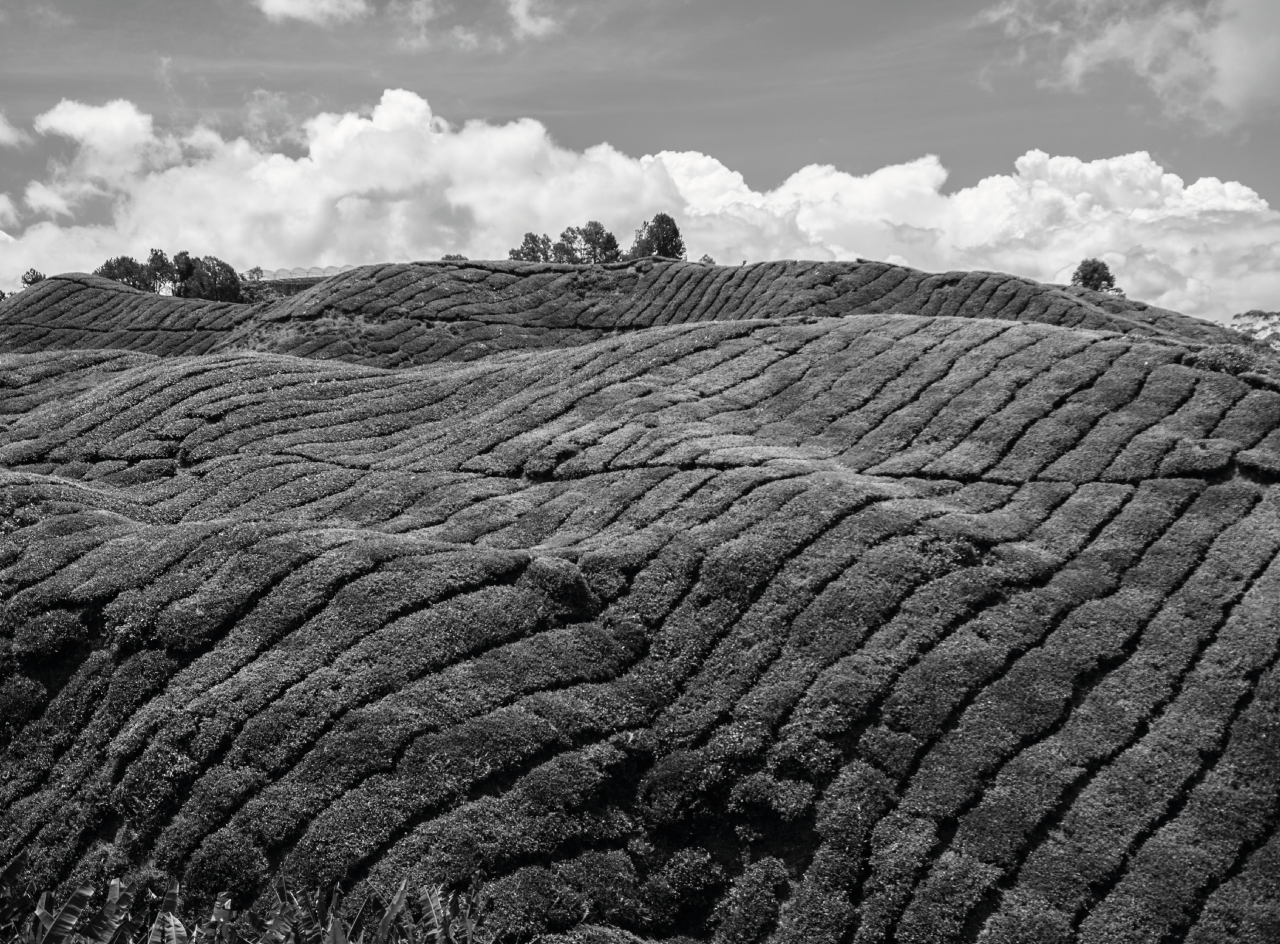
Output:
(128, 916)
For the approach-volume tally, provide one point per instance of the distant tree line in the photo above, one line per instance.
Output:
(185, 276)
(188, 276)
(592, 243)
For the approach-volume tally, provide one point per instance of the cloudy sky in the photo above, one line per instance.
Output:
(1019, 135)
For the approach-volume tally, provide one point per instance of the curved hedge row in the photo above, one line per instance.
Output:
(876, 628)
(421, 313)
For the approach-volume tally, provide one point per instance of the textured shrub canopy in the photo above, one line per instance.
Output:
(790, 602)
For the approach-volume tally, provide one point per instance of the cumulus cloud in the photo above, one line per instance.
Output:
(114, 144)
(314, 11)
(1214, 60)
(400, 183)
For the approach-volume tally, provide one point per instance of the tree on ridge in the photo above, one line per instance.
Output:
(658, 237)
(209, 278)
(1095, 275)
(535, 248)
(597, 244)
(31, 277)
(186, 276)
(154, 275)
(577, 245)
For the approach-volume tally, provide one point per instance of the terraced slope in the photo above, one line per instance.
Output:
(405, 315)
(741, 620)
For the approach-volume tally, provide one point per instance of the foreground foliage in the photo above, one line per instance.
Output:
(133, 914)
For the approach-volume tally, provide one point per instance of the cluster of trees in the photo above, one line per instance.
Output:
(577, 245)
(185, 276)
(592, 243)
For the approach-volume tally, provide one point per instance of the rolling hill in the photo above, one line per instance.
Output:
(788, 602)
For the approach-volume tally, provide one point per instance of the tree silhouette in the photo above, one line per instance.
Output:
(535, 248)
(598, 245)
(1095, 275)
(658, 237)
(209, 278)
(127, 270)
(154, 275)
(31, 277)
(568, 248)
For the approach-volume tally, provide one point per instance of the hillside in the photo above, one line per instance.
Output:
(789, 602)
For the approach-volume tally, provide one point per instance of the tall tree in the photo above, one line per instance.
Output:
(535, 248)
(598, 244)
(1095, 275)
(569, 248)
(658, 237)
(161, 272)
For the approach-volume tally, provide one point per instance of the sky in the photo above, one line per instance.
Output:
(1015, 135)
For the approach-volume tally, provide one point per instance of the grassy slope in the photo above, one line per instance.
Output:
(695, 601)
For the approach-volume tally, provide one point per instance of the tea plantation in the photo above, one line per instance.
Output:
(803, 603)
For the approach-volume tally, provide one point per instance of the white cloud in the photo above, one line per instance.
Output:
(8, 214)
(401, 184)
(1214, 60)
(11, 136)
(528, 21)
(115, 143)
(314, 11)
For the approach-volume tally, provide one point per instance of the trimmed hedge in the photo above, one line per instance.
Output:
(797, 602)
